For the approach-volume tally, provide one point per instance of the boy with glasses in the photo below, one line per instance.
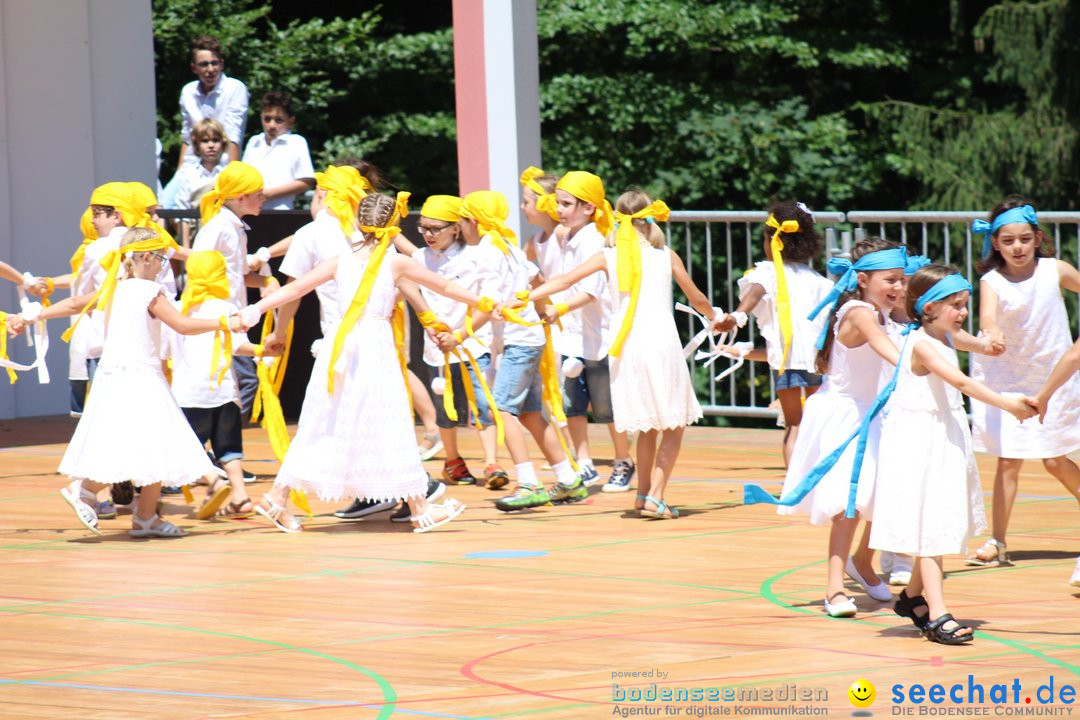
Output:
(213, 95)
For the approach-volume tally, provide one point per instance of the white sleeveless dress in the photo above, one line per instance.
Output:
(650, 382)
(1032, 316)
(132, 428)
(358, 442)
(830, 416)
(927, 498)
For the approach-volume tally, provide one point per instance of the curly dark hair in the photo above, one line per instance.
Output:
(802, 246)
(279, 99)
(994, 260)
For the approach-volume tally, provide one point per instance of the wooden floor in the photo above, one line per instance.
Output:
(534, 614)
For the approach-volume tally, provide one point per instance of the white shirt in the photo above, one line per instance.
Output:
(287, 158)
(459, 264)
(318, 241)
(227, 234)
(191, 357)
(501, 277)
(806, 288)
(583, 332)
(227, 103)
(194, 178)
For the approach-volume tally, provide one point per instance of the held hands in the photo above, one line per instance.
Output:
(1020, 407)
(511, 304)
(722, 323)
(16, 324)
(994, 343)
(37, 288)
(248, 317)
(1040, 403)
(550, 315)
(273, 345)
(446, 341)
(235, 324)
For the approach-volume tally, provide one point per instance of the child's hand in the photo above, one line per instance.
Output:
(1020, 408)
(273, 345)
(723, 322)
(236, 325)
(249, 317)
(995, 343)
(446, 341)
(1040, 402)
(15, 324)
(511, 304)
(38, 288)
(550, 314)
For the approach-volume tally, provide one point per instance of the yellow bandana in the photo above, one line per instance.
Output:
(489, 209)
(783, 299)
(442, 207)
(628, 264)
(344, 191)
(132, 200)
(590, 188)
(86, 225)
(238, 178)
(528, 180)
(206, 279)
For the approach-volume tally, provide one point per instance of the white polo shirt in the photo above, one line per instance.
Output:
(583, 332)
(194, 178)
(501, 277)
(227, 234)
(458, 263)
(320, 240)
(286, 158)
(227, 103)
(191, 357)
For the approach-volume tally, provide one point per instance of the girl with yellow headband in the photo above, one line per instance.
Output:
(132, 428)
(651, 390)
(780, 292)
(355, 435)
(543, 248)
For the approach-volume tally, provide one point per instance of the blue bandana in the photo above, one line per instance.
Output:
(890, 259)
(943, 288)
(1022, 214)
(914, 263)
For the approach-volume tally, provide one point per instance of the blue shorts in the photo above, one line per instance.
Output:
(220, 426)
(591, 387)
(461, 399)
(517, 381)
(796, 379)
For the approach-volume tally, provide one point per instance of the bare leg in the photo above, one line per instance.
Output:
(620, 440)
(864, 558)
(666, 455)
(490, 442)
(545, 437)
(1006, 481)
(147, 503)
(514, 437)
(791, 405)
(422, 403)
(1066, 472)
(933, 589)
(449, 440)
(646, 458)
(579, 436)
(234, 471)
(841, 533)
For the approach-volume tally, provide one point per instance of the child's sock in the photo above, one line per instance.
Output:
(583, 462)
(564, 473)
(526, 474)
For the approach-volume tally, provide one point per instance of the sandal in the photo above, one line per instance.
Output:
(84, 512)
(427, 522)
(991, 554)
(905, 607)
(216, 494)
(432, 445)
(639, 499)
(274, 513)
(936, 632)
(843, 608)
(146, 528)
(244, 508)
(662, 512)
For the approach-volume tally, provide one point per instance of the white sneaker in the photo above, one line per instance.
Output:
(1075, 579)
(897, 566)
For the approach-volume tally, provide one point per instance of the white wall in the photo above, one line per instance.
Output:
(77, 109)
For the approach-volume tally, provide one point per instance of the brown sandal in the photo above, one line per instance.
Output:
(242, 509)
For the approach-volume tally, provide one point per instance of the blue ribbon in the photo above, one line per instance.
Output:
(1024, 214)
(943, 288)
(849, 278)
(915, 263)
(754, 494)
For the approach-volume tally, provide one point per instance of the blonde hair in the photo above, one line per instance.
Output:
(629, 203)
(208, 129)
(135, 235)
(375, 210)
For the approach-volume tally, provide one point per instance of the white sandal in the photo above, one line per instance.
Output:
(842, 608)
(426, 523)
(86, 514)
(146, 528)
(999, 556)
(274, 513)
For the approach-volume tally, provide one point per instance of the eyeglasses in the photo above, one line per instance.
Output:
(98, 212)
(159, 256)
(209, 63)
(429, 230)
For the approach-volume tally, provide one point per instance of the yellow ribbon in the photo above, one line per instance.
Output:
(485, 305)
(50, 286)
(783, 299)
(628, 264)
(589, 188)
(12, 377)
(528, 180)
(222, 341)
(344, 188)
(111, 263)
(86, 225)
(397, 324)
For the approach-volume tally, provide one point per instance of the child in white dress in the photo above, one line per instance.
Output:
(1020, 304)
(651, 390)
(356, 440)
(928, 503)
(780, 291)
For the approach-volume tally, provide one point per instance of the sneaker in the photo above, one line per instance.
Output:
(621, 475)
(456, 473)
(106, 510)
(362, 508)
(495, 477)
(899, 568)
(1075, 579)
(522, 498)
(250, 477)
(435, 490)
(589, 476)
(569, 493)
(123, 493)
(402, 515)
(170, 490)
(431, 446)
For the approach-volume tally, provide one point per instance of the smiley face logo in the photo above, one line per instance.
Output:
(862, 693)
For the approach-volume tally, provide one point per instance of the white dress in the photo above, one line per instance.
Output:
(927, 498)
(1032, 316)
(132, 428)
(650, 383)
(358, 442)
(830, 416)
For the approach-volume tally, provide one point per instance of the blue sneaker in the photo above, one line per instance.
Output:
(589, 476)
(621, 475)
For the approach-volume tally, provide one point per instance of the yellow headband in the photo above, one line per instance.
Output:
(89, 232)
(238, 178)
(442, 207)
(489, 209)
(590, 188)
(206, 279)
(131, 200)
(783, 298)
(344, 191)
(628, 263)
(528, 180)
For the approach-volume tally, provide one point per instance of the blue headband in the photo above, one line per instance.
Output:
(1022, 214)
(915, 263)
(890, 259)
(943, 288)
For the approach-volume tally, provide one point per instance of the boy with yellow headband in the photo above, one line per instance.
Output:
(583, 208)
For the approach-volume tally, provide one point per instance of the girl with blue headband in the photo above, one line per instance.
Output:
(928, 499)
(1020, 304)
